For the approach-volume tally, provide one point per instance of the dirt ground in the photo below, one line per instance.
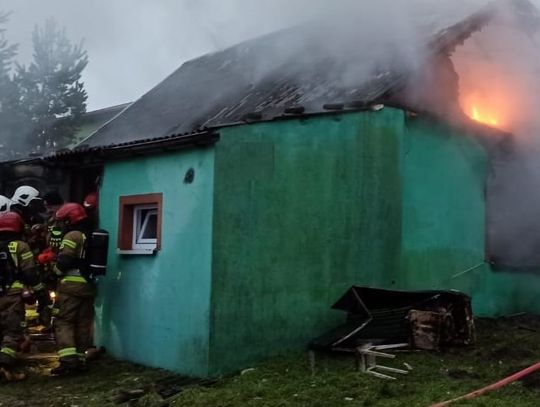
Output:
(504, 346)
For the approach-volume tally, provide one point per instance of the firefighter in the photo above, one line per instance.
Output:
(5, 204)
(24, 195)
(53, 239)
(74, 307)
(27, 203)
(17, 271)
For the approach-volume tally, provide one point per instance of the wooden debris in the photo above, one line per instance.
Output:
(368, 355)
(426, 329)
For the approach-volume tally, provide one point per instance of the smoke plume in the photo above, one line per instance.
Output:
(133, 44)
(499, 71)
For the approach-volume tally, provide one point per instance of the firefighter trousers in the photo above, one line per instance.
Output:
(12, 322)
(74, 318)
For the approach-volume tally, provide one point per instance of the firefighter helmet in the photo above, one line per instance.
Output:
(24, 195)
(5, 204)
(11, 222)
(71, 212)
(91, 201)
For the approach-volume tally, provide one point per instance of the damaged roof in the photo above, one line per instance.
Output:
(309, 66)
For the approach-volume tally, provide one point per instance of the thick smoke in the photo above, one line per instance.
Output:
(133, 44)
(499, 71)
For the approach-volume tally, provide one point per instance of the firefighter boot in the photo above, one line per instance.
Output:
(64, 369)
(69, 368)
(7, 367)
(10, 375)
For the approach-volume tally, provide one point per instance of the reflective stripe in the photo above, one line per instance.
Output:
(12, 246)
(82, 254)
(67, 352)
(69, 243)
(27, 255)
(8, 351)
(38, 287)
(17, 285)
(73, 279)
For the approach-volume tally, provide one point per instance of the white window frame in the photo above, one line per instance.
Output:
(138, 243)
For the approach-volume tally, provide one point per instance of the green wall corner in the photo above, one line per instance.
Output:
(155, 309)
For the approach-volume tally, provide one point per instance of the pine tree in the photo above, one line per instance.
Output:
(7, 51)
(52, 95)
(10, 119)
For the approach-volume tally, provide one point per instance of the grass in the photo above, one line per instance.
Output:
(504, 347)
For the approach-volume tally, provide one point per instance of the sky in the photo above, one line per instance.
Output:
(134, 44)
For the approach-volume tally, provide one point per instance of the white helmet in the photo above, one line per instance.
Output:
(24, 195)
(5, 204)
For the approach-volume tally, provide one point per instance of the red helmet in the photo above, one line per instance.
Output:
(11, 222)
(91, 201)
(71, 212)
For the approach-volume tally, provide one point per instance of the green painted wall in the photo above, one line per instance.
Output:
(154, 309)
(444, 173)
(282, 218)
(302, 210)
(305, 208)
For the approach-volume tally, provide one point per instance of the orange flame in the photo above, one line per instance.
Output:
(483, 117)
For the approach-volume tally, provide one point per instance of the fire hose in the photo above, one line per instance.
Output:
(494, 386)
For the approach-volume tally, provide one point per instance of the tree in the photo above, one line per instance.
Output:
(10, 117)
(51, 94)
(7, 51)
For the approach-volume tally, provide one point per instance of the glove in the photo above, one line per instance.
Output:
(46, 257)
(55, 237)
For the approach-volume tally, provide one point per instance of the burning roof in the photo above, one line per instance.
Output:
(304, 66)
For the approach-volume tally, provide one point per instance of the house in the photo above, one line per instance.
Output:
(93, 120)
(246, 192)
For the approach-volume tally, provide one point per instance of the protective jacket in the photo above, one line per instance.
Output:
(75, 301)
(71, 255)
(17, 270)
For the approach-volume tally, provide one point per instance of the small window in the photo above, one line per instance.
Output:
(140, 223)
(145, 227)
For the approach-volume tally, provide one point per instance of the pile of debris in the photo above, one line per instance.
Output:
(380, 320)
